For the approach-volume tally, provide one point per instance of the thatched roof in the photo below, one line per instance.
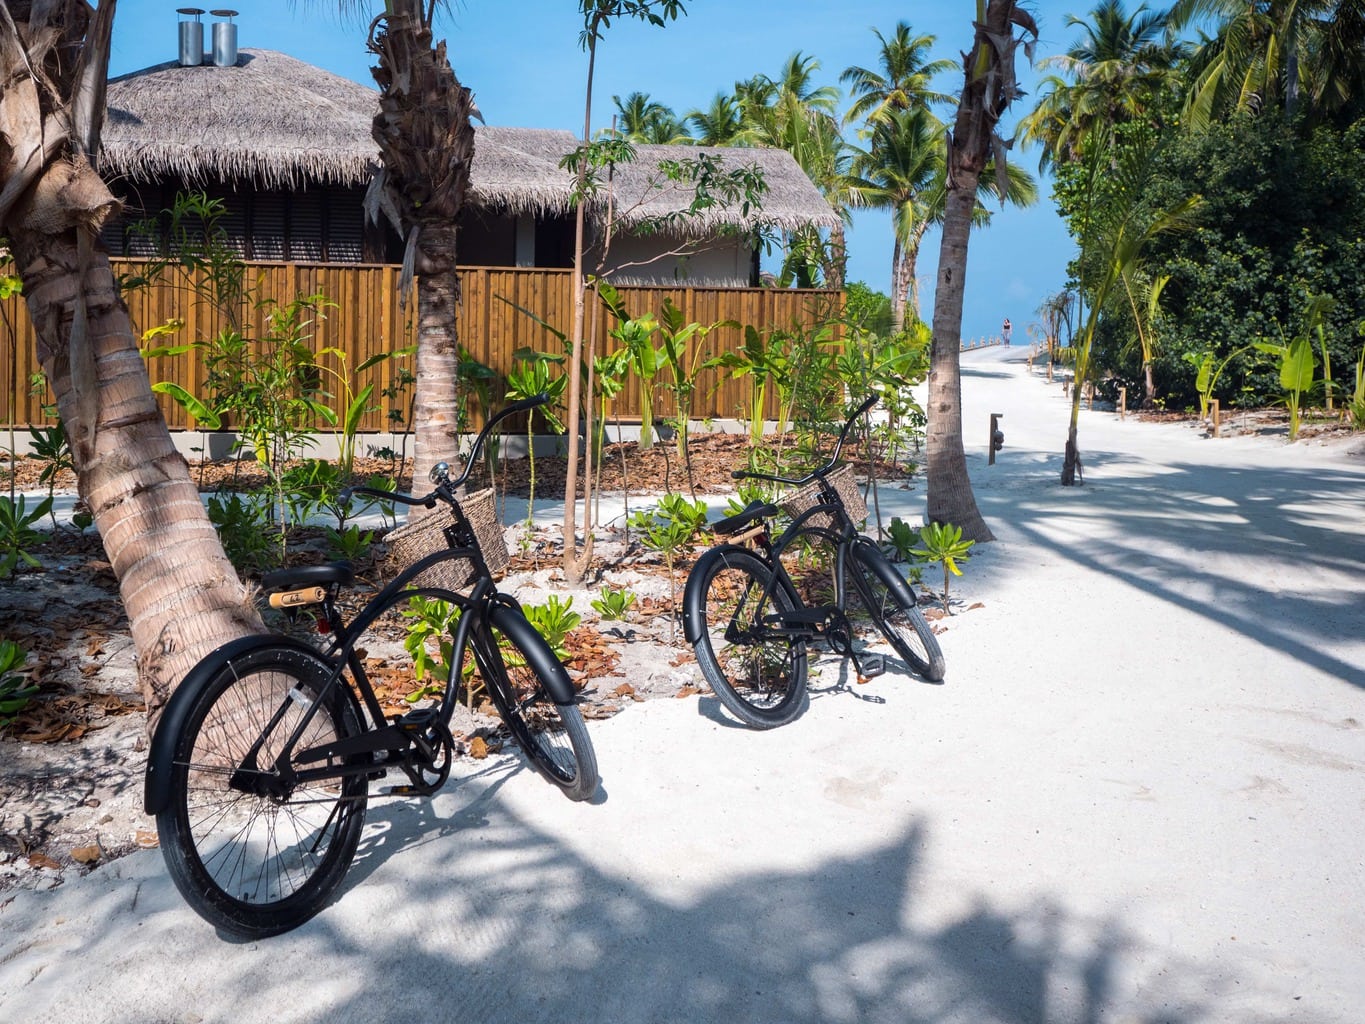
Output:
(271, 118)
(281, 123)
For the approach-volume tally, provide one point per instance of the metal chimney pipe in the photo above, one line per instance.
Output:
(224, 39)
(191, 37)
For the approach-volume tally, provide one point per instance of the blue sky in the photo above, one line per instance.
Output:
(526, 69)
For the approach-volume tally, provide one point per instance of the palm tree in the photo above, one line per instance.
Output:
(1121, 69)
(790, 112)
(641, 119)
(901, 81)
(903, 163)
(1118, 229)
(720, 124)
(989, 89)
(181, 594)
(1270, 53)
(426, 144)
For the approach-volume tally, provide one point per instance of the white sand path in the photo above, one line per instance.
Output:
(1140, 796)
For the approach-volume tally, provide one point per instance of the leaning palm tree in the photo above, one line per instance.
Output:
(181, 594)
(901, 80)
(989, 89)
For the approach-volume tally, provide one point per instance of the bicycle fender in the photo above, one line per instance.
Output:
(867, 552)
(694, 620)
(156, 792)
(513, 622)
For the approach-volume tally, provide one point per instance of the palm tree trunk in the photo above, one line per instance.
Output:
(950, 497)
(836, 258)
(989, 89)
(181, 594)
(426, 141)
(436, 407)
(897, 287)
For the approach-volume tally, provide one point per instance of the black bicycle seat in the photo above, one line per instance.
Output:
(754, 510)
(309, 576)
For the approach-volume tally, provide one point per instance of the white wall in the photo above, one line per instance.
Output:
(722, 263)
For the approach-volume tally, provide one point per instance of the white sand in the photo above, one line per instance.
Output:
(1140, 796)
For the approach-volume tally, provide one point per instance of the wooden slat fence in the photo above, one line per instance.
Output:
(368, 319)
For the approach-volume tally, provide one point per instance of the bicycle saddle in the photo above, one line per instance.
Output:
(309, 576)
(754, 510)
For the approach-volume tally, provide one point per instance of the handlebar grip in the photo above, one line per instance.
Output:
(534, 402)
(740, 474)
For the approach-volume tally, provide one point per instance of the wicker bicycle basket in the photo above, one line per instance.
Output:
(808, 496)
(412, 542)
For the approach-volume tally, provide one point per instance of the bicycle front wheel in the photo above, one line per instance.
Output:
(251, 854)
(552, 734)
(754, 666)
(891, 605)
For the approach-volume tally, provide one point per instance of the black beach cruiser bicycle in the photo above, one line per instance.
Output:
(260, 768)
(755, 604)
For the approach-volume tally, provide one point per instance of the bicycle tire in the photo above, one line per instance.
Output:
(759, 677)
(249, 864)
(552, 734)
(891, 605)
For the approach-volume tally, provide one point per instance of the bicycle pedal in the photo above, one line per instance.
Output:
(871, 666)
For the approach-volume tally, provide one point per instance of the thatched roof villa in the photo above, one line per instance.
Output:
(287, 146)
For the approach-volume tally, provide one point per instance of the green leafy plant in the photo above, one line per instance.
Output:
(943, 543)
(554, 620)
(614, 603)
(350, 542)
(17, 534)
(243, 525)
(430, 638)
(900, 541)
(669, 528)
(49, 444)
(16, 689)
(1297, 370)
(762, 364)
(1358, 396)
(532, 376)
(1207, 372)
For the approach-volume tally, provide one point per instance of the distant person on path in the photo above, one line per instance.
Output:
(1005, 330)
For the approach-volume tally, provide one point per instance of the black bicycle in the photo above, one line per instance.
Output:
(260, 768)
(751, 614)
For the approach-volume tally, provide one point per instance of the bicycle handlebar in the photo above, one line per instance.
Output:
(439, 474)
(747, 474)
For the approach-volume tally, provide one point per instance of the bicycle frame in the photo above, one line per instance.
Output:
(472, 633)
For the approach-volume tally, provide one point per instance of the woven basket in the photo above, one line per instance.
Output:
(412, 542)
(808, 496)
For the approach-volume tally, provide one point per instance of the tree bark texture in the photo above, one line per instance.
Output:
(950, 497)
(989, 89)
(426, 141)
(181, 594)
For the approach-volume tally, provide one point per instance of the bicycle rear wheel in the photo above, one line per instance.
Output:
(755, 668)
(252, 856)
(891, 605)
(552, 734)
